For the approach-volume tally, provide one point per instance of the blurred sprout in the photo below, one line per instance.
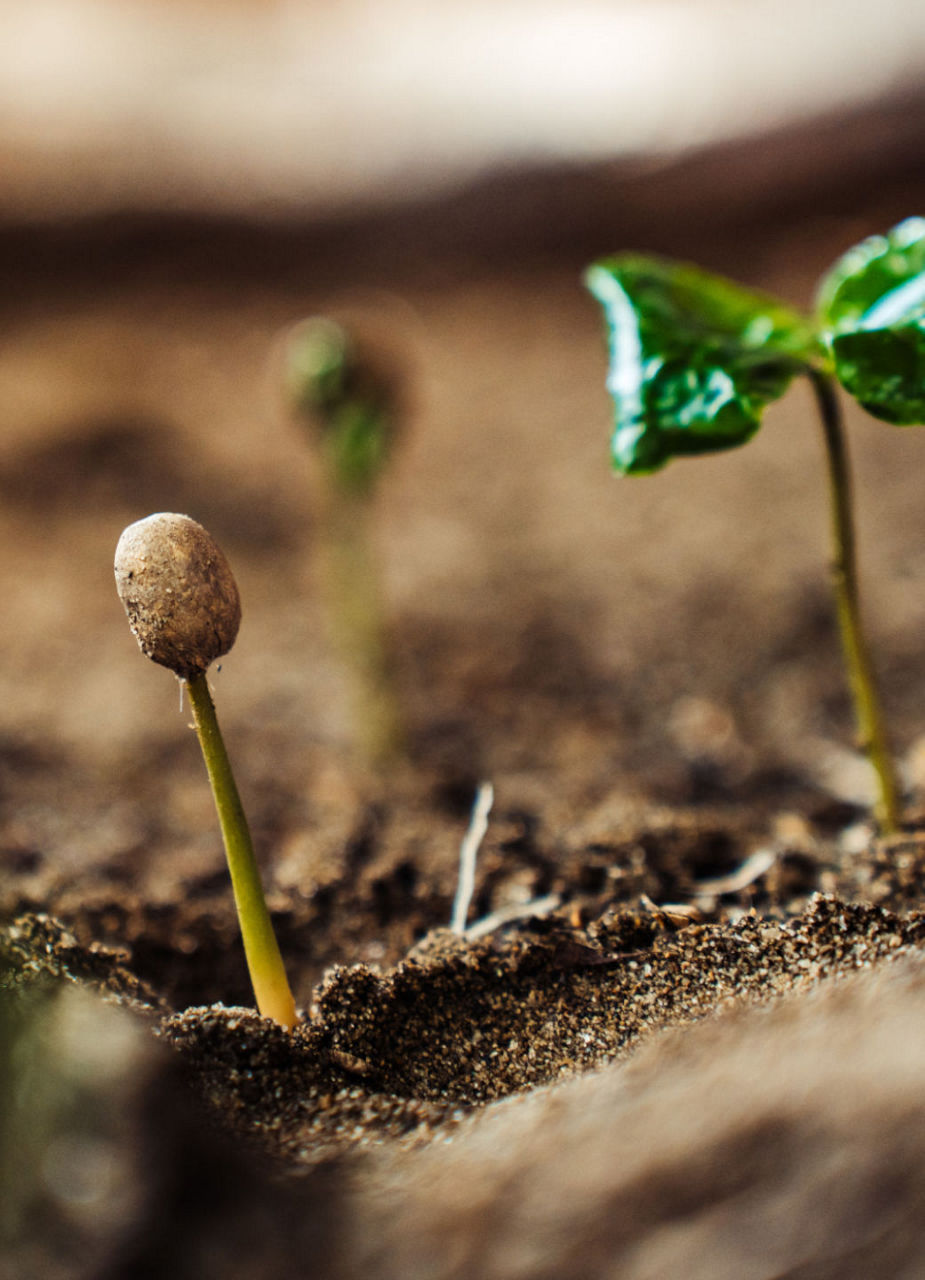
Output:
(347, 398)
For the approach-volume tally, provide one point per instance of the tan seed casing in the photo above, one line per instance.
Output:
(178, 591)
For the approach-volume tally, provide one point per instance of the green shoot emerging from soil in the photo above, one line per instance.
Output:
(695, 359)
(183, 607)
(349, 404)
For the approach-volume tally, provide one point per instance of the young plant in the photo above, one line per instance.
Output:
(349, 405)
(184, 610)
(695, 359)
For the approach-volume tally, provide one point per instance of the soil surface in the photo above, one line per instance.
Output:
(681, 1033)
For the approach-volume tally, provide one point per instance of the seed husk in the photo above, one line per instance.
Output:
(178, 591)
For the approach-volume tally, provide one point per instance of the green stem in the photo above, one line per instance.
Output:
(351, 588)
(868, 713)
(271, 988)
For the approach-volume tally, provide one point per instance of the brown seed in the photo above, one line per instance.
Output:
(178, 591)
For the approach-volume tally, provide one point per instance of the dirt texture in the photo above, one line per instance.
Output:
(681, 1033)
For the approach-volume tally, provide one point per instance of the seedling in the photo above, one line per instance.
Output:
(184, 610)
(695, 358)
(350, 407)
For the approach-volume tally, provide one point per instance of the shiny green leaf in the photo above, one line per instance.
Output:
(872, 317)
(694, 358)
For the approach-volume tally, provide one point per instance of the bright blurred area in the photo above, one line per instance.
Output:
(299, 107)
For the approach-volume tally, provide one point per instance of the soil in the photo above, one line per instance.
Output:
(682, 1032)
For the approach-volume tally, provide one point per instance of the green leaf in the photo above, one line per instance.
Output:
(694, 358)
(871, 308)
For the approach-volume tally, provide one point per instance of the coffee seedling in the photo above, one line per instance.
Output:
(349, 405)
(184, 610)
(695, 359)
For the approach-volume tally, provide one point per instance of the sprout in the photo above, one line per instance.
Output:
(184, 610)
(695, 359)
(347, 397)
(349, 400)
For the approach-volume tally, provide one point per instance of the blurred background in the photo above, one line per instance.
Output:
(183, 182)
(256, 106)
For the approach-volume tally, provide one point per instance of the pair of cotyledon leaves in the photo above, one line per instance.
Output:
(695, 358)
